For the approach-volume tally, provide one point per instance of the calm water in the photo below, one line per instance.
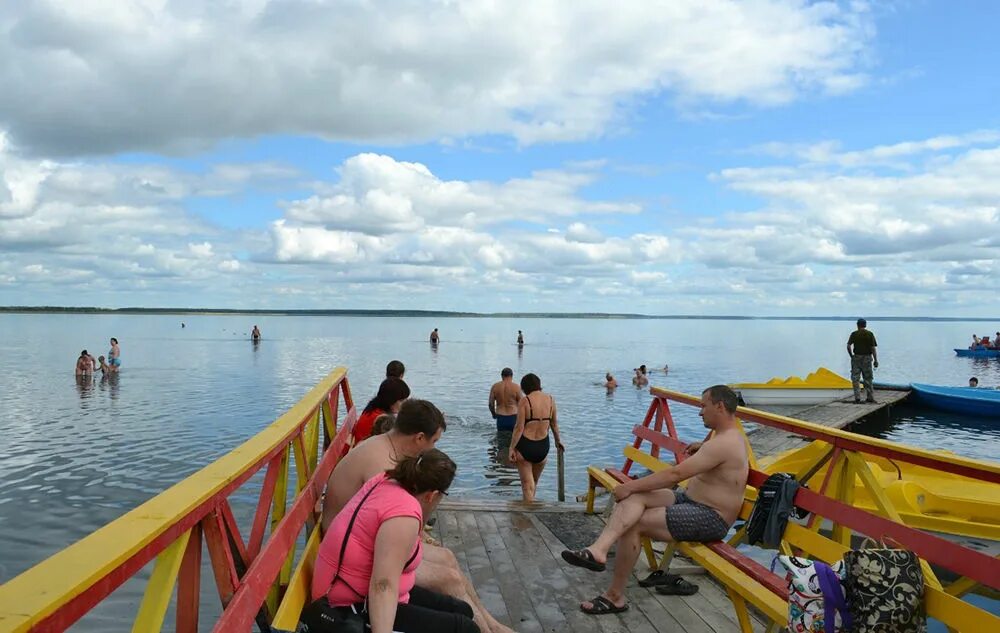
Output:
(76, 456)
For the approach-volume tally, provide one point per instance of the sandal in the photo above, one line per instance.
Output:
(658, 577)
(602, 606)
(673, 585)
(582, 558)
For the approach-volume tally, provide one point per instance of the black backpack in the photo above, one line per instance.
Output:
(762, 507)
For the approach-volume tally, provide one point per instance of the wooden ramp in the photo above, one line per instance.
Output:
(512, 557)
(839, 414)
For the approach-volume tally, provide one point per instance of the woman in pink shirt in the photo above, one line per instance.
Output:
(368, 559)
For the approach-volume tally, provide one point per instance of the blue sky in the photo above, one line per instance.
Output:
(770, 157)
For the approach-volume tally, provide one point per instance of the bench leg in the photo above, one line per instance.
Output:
(591, 495)
(668, 556)
(742, 615)
(647, 546)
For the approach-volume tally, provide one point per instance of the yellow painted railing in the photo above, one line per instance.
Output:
(171, 527)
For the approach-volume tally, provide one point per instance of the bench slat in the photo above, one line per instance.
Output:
(645, 460)
(661, 440)
(771, 605)
(771, 581)
(299, 587)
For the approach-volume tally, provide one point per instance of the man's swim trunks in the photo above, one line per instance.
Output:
(506, 422)
(689, 520)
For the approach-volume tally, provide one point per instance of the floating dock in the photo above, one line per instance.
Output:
(511, 552)
(839, 414)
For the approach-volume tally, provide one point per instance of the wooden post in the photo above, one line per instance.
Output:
(561, 466)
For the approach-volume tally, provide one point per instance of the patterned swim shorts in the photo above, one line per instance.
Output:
(689, 520)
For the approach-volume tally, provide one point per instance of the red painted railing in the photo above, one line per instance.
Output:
(250, 574)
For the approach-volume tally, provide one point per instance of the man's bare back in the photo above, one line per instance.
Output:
(374, 455)
(506, 395)
(722, 487)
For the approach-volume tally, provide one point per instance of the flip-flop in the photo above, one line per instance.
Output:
(582, 558)
(602, 606)
(676, 586)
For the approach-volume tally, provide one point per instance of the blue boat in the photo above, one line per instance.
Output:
(964, 400)
(979, 353)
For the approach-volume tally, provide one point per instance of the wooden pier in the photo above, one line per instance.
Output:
(511, 552)
(839, 414)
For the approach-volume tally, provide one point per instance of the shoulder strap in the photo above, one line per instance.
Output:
(347, 534)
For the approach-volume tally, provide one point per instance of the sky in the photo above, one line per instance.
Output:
(759, 158)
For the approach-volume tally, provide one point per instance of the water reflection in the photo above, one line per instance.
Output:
(498, 470)
(85, 385)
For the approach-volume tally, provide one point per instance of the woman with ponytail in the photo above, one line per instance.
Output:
(366, 567)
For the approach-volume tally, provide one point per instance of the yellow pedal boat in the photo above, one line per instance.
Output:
(818, 387)
(926, 499)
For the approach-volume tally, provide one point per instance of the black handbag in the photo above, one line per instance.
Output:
(885, 590)
(320, 616)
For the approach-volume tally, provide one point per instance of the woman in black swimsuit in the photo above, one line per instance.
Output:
(529, 446)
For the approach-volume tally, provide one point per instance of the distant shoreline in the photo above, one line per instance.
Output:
(449, 314)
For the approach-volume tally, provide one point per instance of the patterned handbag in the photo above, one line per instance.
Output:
(885, 590)
(816, 601)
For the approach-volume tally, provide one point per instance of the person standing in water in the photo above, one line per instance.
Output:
(434, 337)
(504, 397)
(520, 337)
(255, 334)
(114, 356)
(529, 446)
(84, 364)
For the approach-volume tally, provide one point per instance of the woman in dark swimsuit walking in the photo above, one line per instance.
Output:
(529, 446)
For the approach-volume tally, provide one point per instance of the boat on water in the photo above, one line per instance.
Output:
(926, 498)
(818, 387)
(978, 353)
(964, 400)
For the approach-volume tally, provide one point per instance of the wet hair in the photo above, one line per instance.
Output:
(114, 340)
(642, 368)
(506, 371)
(391, 391)
(974, 380)
(419, 416)
(84, 353)
(395, 369)
(383, 424)
(100, 358)
(725, 395)
(862, 322)
(432, 470)
(530, 383)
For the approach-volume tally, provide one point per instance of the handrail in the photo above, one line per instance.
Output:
(55, 593)
(845, 440)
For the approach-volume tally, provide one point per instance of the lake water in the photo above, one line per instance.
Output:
(76, 456)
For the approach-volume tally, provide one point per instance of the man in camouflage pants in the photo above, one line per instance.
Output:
(862, 349)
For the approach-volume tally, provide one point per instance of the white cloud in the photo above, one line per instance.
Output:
(154, 75)
(378, 195)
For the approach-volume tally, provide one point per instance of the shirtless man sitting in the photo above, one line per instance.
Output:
(419, 425)
(716, 472)
(504, 396)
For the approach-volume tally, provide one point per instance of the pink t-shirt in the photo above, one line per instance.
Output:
(389, 500)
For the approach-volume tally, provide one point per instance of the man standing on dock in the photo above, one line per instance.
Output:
(861, 347)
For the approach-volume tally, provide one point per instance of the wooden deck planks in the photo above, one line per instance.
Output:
(514, 561)
(767, 441)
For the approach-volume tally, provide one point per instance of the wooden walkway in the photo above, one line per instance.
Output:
(839, 414)
(512, 557)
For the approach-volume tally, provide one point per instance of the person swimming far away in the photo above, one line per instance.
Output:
(435, 338)
(255, 334)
